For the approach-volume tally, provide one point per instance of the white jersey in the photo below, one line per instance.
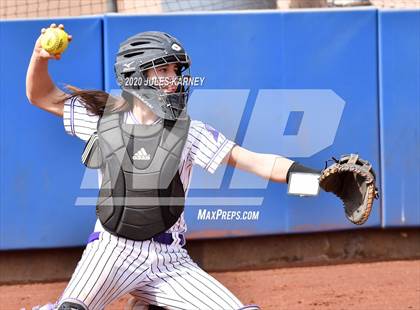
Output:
(205, 146)
(155, 272)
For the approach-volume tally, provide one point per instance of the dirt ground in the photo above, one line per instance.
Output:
(381, 285)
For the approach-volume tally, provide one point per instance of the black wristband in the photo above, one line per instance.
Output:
(296, 167)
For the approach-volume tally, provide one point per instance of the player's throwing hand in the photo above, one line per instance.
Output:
(41, 52)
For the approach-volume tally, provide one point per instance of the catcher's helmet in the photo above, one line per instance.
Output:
(148, 50)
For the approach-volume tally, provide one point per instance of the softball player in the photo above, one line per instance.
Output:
(146, 260)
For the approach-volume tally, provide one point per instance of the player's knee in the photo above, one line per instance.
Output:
(72, 304)
(250, 307)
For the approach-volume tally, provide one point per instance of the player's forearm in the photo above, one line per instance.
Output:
(268, 166)
(273, 167)
(39, 84)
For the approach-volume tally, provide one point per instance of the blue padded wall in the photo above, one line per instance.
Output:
(340, 55)
(40, 165)
(399, 60)
(303, 84)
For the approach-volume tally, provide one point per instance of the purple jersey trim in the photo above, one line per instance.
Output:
(166, 238)
(250, 307)
(213, 131)
(72, 115)
(93, 236)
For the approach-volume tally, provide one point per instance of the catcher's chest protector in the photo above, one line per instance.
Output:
(141, 193)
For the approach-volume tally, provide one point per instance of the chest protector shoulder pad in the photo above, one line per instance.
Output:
(141, 193)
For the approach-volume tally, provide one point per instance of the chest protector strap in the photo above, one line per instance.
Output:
(141, 193)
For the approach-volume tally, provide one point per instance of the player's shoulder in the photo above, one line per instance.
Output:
(78, 106)
(198, 127)
(194, 131)
(197, 124)
(78, 121)
(202, 130)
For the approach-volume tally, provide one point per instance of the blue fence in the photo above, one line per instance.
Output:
(399, 78)
(40, 165)
(357, 72)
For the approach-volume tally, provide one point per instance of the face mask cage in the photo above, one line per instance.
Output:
(172, 103)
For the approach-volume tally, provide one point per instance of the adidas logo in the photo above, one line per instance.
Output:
(141, 155)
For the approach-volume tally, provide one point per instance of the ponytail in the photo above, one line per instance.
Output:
(98, 101)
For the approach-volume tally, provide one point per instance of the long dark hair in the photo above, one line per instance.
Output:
(98, 101)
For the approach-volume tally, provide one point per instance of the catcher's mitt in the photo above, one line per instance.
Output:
(352, 179)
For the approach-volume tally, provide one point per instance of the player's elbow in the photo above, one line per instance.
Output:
(46, 97)
(34, 98)
(31, 92)
(37, 95)
(31, 98)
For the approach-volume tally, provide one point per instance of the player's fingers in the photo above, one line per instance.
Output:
(53, 25)
(44, 54)
(43, 30)
(57, 56)
(61, 26)
(69, 38)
